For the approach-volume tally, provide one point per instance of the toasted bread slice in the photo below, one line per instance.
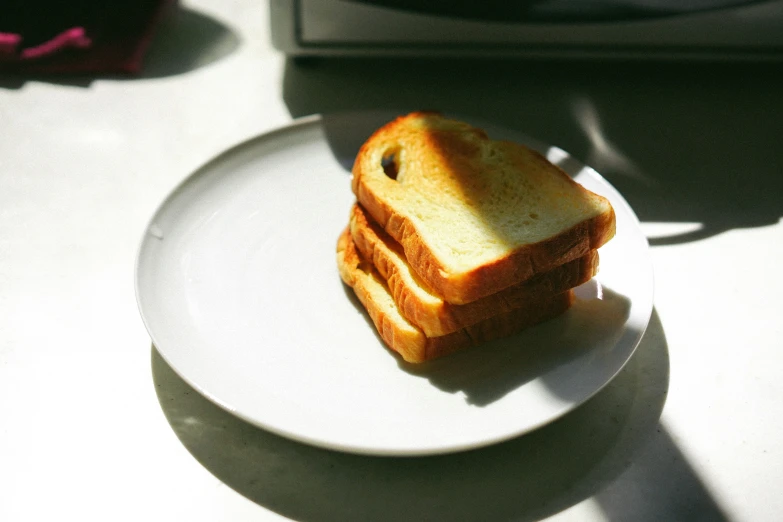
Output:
(408, 340)
(434, 316)
(474, 216)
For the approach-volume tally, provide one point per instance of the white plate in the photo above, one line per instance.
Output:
(237, 283)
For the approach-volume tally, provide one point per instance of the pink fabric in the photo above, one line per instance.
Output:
(8, 44)
(71, 38)
(77, 36)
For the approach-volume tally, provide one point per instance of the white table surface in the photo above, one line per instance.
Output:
(96, 426)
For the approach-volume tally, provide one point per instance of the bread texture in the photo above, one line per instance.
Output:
(409, 341)
(436, 317)
(474, 216)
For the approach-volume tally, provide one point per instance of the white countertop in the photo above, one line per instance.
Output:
(96, 426)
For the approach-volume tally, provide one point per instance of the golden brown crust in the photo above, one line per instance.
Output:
(499, 326)
(409, 341)
(436, 317)
(471, 284)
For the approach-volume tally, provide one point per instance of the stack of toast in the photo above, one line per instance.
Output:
(456, 239)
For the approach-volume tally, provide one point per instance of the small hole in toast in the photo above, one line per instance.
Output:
(390, 166)
(533, 215)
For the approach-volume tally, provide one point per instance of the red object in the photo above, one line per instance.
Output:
(87, 36)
